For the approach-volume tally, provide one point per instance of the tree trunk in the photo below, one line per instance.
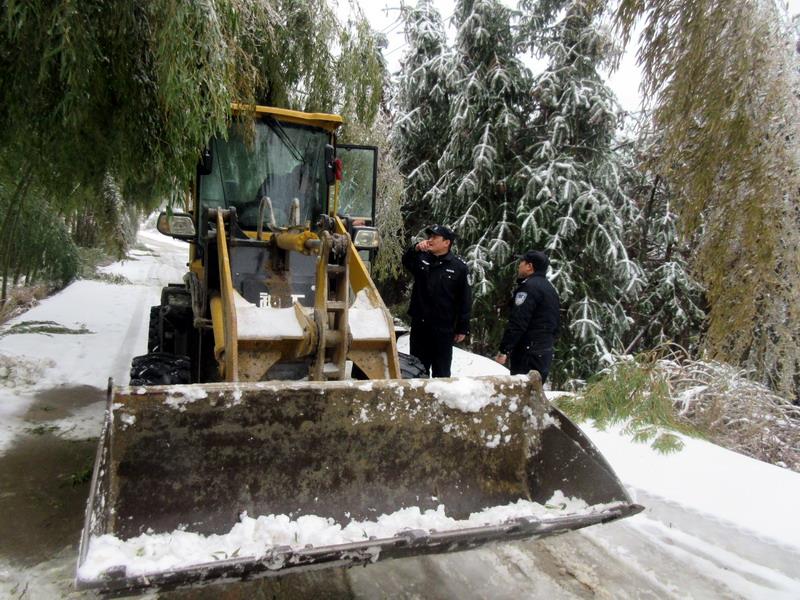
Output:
(646, 220)
(15, 205)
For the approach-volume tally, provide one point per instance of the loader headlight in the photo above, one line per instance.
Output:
(366, 238)
(177, 225)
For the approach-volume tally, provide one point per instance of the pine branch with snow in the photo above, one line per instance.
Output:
(572, 204)
(422, 102)
(474, 192)
(671, 307)
(664, 390)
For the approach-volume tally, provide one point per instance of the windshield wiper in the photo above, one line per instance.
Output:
(275, 125)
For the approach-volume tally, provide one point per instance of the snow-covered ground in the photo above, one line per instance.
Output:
(116, 317)
(717, 524)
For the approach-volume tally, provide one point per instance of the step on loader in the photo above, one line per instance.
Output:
(274, 427)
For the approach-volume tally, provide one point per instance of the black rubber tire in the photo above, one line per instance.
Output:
(411, 367)
(153, 334)
(160, 368)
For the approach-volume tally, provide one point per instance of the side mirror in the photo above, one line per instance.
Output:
(330, 169)
(366, 238)
(206, 163)
(177, 225)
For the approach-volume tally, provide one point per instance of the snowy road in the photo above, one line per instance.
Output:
(685, 545)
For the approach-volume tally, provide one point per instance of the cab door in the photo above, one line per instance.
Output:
(357, 188)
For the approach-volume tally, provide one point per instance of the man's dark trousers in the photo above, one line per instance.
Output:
(521, 363)
(433, 347)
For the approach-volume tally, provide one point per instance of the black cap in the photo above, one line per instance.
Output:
(538, 259)
(441, 230)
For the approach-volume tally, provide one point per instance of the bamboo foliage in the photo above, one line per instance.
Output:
(129, 92)
(722, 77)
(42, 248)
(136, 89)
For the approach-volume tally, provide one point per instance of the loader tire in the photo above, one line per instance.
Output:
(153, 334)
(411, 367)
(160, 368)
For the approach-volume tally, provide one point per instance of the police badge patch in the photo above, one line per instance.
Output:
(520, 298)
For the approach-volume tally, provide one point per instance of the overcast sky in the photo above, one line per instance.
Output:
(384, 15)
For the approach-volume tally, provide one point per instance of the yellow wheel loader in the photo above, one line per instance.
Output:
(274, 427)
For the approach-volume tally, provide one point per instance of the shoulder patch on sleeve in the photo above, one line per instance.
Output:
(520, 298)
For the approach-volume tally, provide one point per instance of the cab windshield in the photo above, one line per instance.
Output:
(281, 162)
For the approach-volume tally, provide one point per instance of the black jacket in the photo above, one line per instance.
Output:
(441, 294)
(534, 321)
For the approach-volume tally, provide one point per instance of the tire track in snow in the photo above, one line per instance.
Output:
(724, 534)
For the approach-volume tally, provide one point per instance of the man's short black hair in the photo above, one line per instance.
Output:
(538, 259)
(441, 230)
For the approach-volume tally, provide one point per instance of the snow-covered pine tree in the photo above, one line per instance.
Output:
(670, 307)
(422, 103)
(572, 205)
(474, 193)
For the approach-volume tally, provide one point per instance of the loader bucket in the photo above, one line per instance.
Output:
(211, 482)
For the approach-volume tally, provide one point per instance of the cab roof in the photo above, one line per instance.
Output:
(325, 121)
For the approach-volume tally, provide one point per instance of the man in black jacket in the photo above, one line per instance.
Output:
(534, 323)
(440, 300)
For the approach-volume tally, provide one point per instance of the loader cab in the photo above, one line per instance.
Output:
(282, 172)
(282, 161)
(288, 157)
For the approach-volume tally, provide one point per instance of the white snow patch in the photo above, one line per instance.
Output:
(180, 395)
(254, 537)
(85, 422)
(237, 397)
(265, 322)
(368, 324)
(750, 495)
(465, 364)
(494, 441)
(367, 320)
(362, 300)
(467, 395)
(549, 421)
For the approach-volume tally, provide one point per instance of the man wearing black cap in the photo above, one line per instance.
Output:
(533, 326)
(440, 300)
